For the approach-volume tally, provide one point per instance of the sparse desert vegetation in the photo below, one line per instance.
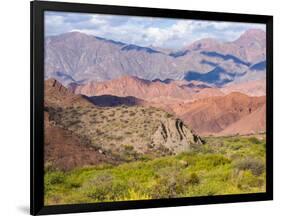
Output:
(111, 128)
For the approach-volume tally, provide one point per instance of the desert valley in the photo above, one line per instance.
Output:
(127, 122)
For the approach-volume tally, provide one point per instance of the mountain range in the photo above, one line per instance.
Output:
(213, 87)
(79, 58)
(206, 109)
(165, 92)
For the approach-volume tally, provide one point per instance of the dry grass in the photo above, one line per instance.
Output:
(111, 128)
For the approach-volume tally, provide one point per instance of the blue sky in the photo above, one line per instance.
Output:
(144, 31)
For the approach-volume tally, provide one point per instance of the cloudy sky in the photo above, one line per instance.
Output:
(144, 31)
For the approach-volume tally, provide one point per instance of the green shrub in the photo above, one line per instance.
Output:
(100, 187)
(56, 177)
(128, 147)
(105, 187)
(128, 132)
(236, 139)
(112, 114)
(256, 166)
(248, 181)
(166, 186)
(193, 179)
(128, 153)
(210, 161)
(53, 180)
(168, 115)
(72, 123)
(254, 140)
(171, 182)
(99, 132)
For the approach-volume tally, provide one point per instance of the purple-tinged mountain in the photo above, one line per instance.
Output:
(80, 58)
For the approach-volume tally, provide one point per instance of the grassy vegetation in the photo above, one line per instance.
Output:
(224, 165)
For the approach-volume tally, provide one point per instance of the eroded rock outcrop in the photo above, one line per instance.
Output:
(174, 135)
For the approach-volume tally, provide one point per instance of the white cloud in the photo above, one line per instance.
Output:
(145, 31)
(54, 20)
(97, 20)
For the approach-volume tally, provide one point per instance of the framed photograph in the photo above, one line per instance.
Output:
(139, 107)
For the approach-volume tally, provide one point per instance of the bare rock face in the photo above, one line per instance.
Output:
(174, 135)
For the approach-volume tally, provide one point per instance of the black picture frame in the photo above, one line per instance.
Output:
(37, 103)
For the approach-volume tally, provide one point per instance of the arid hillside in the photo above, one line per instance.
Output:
(99, 134)
(58, 95)
(212, 115)
(65, 150)
(253, 123)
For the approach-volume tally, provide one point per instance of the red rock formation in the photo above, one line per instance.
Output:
(212, 115)
(139, 88)
(56, 94)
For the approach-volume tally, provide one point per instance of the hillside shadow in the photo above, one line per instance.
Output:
(114, 101)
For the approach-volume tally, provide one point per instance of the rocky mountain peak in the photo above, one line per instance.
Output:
(252, 37)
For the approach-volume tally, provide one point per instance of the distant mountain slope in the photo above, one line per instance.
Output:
(251, 88)
(86, 57)
(250, 46)
(213, 115)
(83, 58)
(132, 86)
(253, 123)
(155, 93)
(256, 71)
